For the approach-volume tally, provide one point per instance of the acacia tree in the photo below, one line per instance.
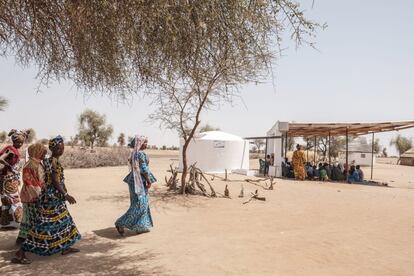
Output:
(121, 139)
(3, 103)
(195, 54)
(208, 127)
(401, 143)
(3, 136)
(93, 128)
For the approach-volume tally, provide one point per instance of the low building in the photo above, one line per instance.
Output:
(407, 158)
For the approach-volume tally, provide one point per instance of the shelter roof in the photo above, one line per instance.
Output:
(338, 129)
(408, 154)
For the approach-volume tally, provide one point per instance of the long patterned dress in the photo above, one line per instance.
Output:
(298, 161)
(138, 217)
(12, 208)
(54, 230)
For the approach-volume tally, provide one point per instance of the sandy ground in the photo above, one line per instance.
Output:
(303, 228)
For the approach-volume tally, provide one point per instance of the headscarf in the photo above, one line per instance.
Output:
(33, 178)
(35, 151)
(54, 142)
(137, 143)
(18, 135)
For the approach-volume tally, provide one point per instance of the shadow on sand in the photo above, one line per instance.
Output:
(97, 257)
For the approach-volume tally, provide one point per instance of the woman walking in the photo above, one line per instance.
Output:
(138, 217)
(53, 230)
(33, 182)
(11, 210)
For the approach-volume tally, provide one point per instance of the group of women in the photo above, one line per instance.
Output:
(40, 210)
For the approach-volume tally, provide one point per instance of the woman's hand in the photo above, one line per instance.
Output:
(70, 199)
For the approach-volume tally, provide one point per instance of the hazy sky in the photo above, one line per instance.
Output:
(363, 71)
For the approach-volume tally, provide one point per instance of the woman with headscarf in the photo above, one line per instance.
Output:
(138, 217)
(11, 210)
(33, 182)
(298, 161)
(53, 230)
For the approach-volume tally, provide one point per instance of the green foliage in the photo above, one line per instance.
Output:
(3, 103)
(32, 136)
(93, 129)
(121, 139)
(401, 143)
(208, 127)
(3, 136)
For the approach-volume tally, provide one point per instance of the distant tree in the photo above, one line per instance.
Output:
(401, 143)
(74, 141)
(259, 143)
(384, 152)
(291, 143)
(3, 103)
(32, 136)
(43, 141)
(93, 129)
(3, 136)
(164, 147)
(377, 146)
(121, 139)
(208, 127)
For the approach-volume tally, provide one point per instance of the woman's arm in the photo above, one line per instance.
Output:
(56, 183)
(143, 166)
(4, 156)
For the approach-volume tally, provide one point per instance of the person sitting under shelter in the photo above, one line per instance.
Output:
(353, 176)
(323, 174)
(360, 173)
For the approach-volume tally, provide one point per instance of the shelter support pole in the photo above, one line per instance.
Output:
(346, 153)
(372, 155)
(314, 152)
(329, 152)
(266, 148)
(307, 149)
(286, 144)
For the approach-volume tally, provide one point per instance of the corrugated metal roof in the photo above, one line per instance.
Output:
(324, 129)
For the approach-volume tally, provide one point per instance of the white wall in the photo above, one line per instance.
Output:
(358, 157)
(213, 156)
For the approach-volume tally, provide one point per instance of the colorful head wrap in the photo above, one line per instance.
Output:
(54, 142)
(18, 135)
(138, 185)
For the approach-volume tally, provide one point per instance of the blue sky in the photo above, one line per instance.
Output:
(362, 71)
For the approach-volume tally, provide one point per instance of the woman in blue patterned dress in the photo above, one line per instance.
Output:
(53, 230)
(138, 217)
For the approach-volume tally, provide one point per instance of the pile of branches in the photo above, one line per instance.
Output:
(194, 185)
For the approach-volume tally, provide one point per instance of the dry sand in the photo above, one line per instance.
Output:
(303, 228)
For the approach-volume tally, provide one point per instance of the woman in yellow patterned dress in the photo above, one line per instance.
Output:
(298, 161)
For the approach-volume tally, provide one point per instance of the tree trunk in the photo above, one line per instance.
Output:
(185, 165)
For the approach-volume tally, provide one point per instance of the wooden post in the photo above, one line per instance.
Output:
(314, 152)
(329, 152)
(346, 154)
(372, 155)
(286, 144)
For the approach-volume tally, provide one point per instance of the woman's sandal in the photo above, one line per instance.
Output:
(70, 250)
(120, 230)
(23, 261)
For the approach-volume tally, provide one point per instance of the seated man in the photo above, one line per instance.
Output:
(360, 173)
(353, 176)
(323, 174)
(309, 170)
(315, 173)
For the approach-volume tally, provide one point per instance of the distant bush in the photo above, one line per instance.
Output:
(78, 157)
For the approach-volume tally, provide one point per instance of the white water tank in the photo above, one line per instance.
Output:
(216, 151)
